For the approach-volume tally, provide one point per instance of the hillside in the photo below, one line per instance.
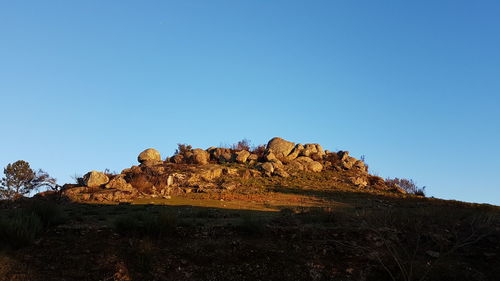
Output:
(285, 211)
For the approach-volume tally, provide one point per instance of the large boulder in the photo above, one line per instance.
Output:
(280, 147)
(149, 155)
(95, 179)
(242, 156)
(314, 166)
(200, 157)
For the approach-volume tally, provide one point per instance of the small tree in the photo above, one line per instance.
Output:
(407, 185)
(183, 148)
(243, 144)
(20, 180)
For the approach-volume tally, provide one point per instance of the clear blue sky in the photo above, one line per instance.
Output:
(413, 85)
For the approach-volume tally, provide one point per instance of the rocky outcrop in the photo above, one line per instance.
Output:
(95, 179)
(219, 169)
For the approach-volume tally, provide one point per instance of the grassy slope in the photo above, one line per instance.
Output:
(294, 229)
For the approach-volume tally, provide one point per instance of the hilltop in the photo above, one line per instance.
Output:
(283, 211)
(222, 170)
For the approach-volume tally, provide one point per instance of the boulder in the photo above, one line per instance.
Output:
(312, 149)
(149, 154)
(280, 147)
(95, 179)
(119, 183)
(200, 157)
(253, 157)
(314, 166)
(208, 173)
(295, 152)
(304, 159)
(221, 155)
(270, 156)
(348, 162)
(74, 193)
(280, 172)
(295, 165)
(267, 168)
(319, 150)
(242, 156)
(359, 181)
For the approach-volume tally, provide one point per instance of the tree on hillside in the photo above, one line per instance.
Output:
(20, 180)
(408, 185)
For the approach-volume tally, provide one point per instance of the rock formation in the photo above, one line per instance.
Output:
(218, 169)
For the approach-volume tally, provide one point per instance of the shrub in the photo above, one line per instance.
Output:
(407, 185)
(49, 213)
(183, 148)
(259, 150)
(78, 179)
(243, 144)
(20, 229)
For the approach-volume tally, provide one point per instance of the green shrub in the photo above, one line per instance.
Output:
(49, 213)
(19, 229)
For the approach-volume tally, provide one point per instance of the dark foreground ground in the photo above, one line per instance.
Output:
(280, 234)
